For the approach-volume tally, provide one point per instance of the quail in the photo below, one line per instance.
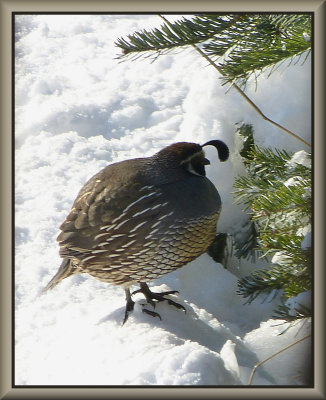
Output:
(139, 219)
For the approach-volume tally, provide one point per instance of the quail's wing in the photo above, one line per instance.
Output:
(113, 211)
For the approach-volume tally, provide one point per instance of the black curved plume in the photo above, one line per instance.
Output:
(221, 147)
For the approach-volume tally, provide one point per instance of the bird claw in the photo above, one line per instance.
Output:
(150, 298)
(160, 294)
(177, 305)
(168, 292)
(127, 311)
(160, 297)
(152, 313)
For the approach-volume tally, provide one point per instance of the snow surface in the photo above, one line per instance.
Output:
(78, 109)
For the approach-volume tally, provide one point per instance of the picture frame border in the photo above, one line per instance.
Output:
(8, 8)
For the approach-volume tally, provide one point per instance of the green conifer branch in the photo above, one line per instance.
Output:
(262, 281)
(250, 43)
(284, 312)
(277, 194)
(239, 37)
(266, 41)
(181, 33)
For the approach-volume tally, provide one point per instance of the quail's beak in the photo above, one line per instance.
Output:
(206, 162)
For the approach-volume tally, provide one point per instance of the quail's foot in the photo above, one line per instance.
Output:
(151, 296)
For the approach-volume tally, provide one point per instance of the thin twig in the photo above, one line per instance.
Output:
(273, 355)
(241, 91)
(249, 100)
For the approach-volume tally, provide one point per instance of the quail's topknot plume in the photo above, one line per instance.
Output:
(139, 219)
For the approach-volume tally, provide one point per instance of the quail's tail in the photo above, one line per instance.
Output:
(66, 269)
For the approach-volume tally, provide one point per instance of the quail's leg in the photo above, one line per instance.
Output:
(129, 305)
(150, 296)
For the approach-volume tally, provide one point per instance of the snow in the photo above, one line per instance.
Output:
(300, 157)
(306, 242)
(302, 299)
(78, 109)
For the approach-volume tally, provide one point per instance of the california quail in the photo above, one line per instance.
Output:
(139, 219)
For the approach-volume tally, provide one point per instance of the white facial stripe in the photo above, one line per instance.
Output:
(201, 152)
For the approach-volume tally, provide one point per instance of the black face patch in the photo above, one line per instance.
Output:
(196, 164)
(199, 168)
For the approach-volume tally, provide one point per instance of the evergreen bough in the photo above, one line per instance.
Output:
(276, 193)
(243, 44)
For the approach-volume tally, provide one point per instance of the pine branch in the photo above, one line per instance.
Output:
(277, 194)
(246, 243)
(242, 93)
(281, 200)
(262, 281)
(276, 278)
(236, 87)
(285, 312)
(224, 33)
(250, 42)
(179, 34)
(269, 41)
(247, 134)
